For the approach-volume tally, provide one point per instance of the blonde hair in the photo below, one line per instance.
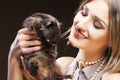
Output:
(114, 23)
(113, 51)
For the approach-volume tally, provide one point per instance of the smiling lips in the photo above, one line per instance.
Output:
(78, 34)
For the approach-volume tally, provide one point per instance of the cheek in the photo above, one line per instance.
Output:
(99, 37)
(78, 17)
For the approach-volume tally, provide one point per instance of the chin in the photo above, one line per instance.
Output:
(73, 42)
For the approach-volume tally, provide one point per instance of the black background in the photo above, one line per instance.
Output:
(12, 14)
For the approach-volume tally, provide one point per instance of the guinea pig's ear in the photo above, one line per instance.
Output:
(49, 24)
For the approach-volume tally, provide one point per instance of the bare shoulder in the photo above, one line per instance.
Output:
(111, 76)
(64, 62)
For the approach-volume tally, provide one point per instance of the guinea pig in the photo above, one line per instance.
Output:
(41, 65)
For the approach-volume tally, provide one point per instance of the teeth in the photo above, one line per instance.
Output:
(82, 36)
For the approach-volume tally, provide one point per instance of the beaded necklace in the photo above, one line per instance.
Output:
(88, 63)
(100, 67)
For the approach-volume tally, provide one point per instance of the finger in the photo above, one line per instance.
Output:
(25, 31)
(26, 37)
(25, 44)
(30, 49)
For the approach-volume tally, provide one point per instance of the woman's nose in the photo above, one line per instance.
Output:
(83, 23)
(80, 27)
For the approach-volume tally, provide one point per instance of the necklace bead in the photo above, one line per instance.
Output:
(88, 63)
(98, 70)
(91, 62)
(94, 62)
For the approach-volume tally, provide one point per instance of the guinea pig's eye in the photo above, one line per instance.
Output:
(49, 24)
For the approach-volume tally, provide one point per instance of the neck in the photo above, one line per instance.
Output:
(89, 56)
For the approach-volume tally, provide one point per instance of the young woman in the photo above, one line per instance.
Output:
(95, 32)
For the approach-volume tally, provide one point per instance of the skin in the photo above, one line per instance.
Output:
(23, 40)
(94, 42)
(28, 38)
(94, 30)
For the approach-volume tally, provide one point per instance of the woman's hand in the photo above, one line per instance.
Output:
(25, 42)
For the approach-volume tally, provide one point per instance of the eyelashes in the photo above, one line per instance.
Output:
(97, 25)
(85, 13)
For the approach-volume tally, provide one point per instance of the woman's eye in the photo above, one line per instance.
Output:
(84, 12)
(97, 25)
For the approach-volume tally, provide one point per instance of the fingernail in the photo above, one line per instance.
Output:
(37, 48)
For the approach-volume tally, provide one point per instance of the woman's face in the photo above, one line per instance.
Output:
(90, 27)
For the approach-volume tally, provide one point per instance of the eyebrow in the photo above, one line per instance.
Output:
(85, 6)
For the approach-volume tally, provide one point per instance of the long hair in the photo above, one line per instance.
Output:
(113, 51)
(114, 28)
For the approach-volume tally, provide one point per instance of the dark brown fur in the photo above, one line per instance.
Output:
(41, 65)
